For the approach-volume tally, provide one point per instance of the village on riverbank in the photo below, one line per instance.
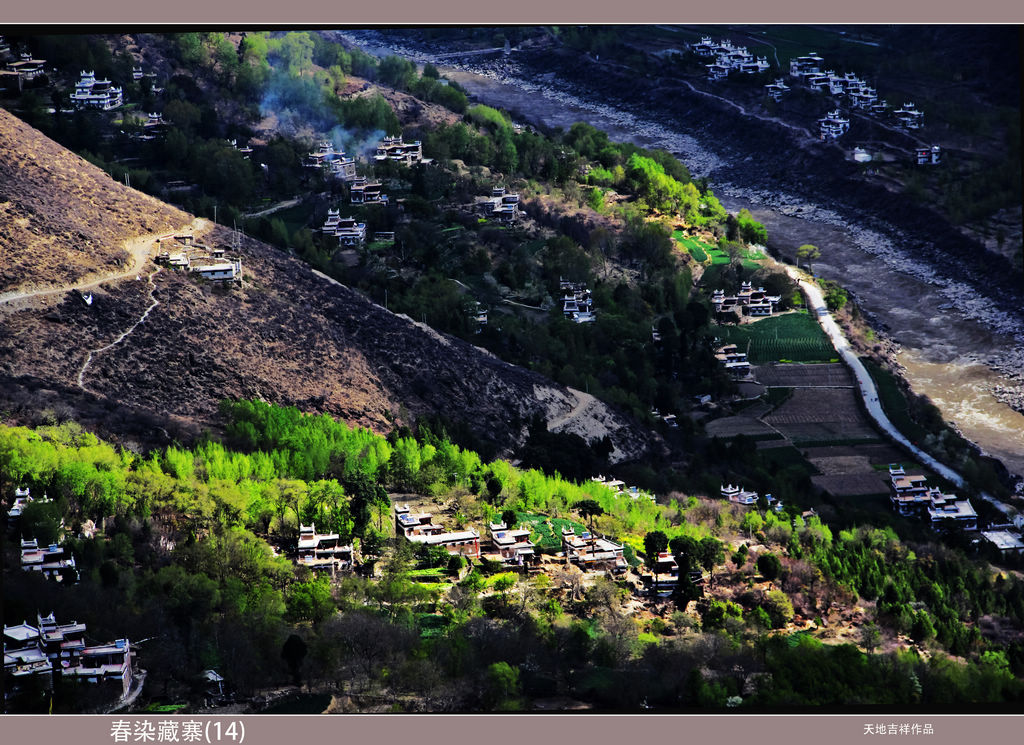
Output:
(547, 415)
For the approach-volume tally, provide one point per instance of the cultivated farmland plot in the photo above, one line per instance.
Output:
(800, 376)
(851, 484)
(731, 426)
(791, 336)
(821, 414)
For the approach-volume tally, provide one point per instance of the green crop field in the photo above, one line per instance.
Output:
(550, 537)
(795, 337)
(698, 249)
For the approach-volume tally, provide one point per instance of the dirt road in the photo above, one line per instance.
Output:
(140, 249)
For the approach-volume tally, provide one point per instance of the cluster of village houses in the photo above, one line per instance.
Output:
(860, 96)
(336, 164)
(503, 544)
(810, 71)
(40, 651)
(736, 495)
(50, 561)
(209, 263)
(729, 58)
(912, 497)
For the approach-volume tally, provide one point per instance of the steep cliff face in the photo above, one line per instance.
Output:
(286, 334)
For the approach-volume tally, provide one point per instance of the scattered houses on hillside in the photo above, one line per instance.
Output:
(736, 495)
(498, 206)
(577, 301)
(208, 263)
(633, 492)
(332, 162)
(729, 58)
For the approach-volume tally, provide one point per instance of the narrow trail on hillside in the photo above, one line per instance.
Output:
(139, 248)
(89, 358)
(774, 120)
(583, 402)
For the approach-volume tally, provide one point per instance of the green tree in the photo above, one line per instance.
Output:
(501, 683)
(654, 543)
(808, 253)
(310, 601)
(509, 518)
(770, 566)
(711, 553)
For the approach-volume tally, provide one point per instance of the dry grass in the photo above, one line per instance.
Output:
(62, 219)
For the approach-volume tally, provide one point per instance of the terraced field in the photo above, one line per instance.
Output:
(791, 337)
(698, 249)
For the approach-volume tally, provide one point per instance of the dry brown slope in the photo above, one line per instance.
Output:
(63, 219)
(288, 336)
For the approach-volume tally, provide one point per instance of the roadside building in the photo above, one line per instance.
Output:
(1007, 542)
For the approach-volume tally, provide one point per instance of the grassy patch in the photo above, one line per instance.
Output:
(548, 529)
(894, 403)
(431, 625)
(698, 249)
(796, 337)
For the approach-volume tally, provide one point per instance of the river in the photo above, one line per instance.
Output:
(955, 348)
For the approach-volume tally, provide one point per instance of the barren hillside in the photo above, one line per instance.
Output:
(63, 218)
(286, 335)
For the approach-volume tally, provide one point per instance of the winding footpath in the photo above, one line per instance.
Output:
(140, 249)
(92, 354)
(868, 390)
